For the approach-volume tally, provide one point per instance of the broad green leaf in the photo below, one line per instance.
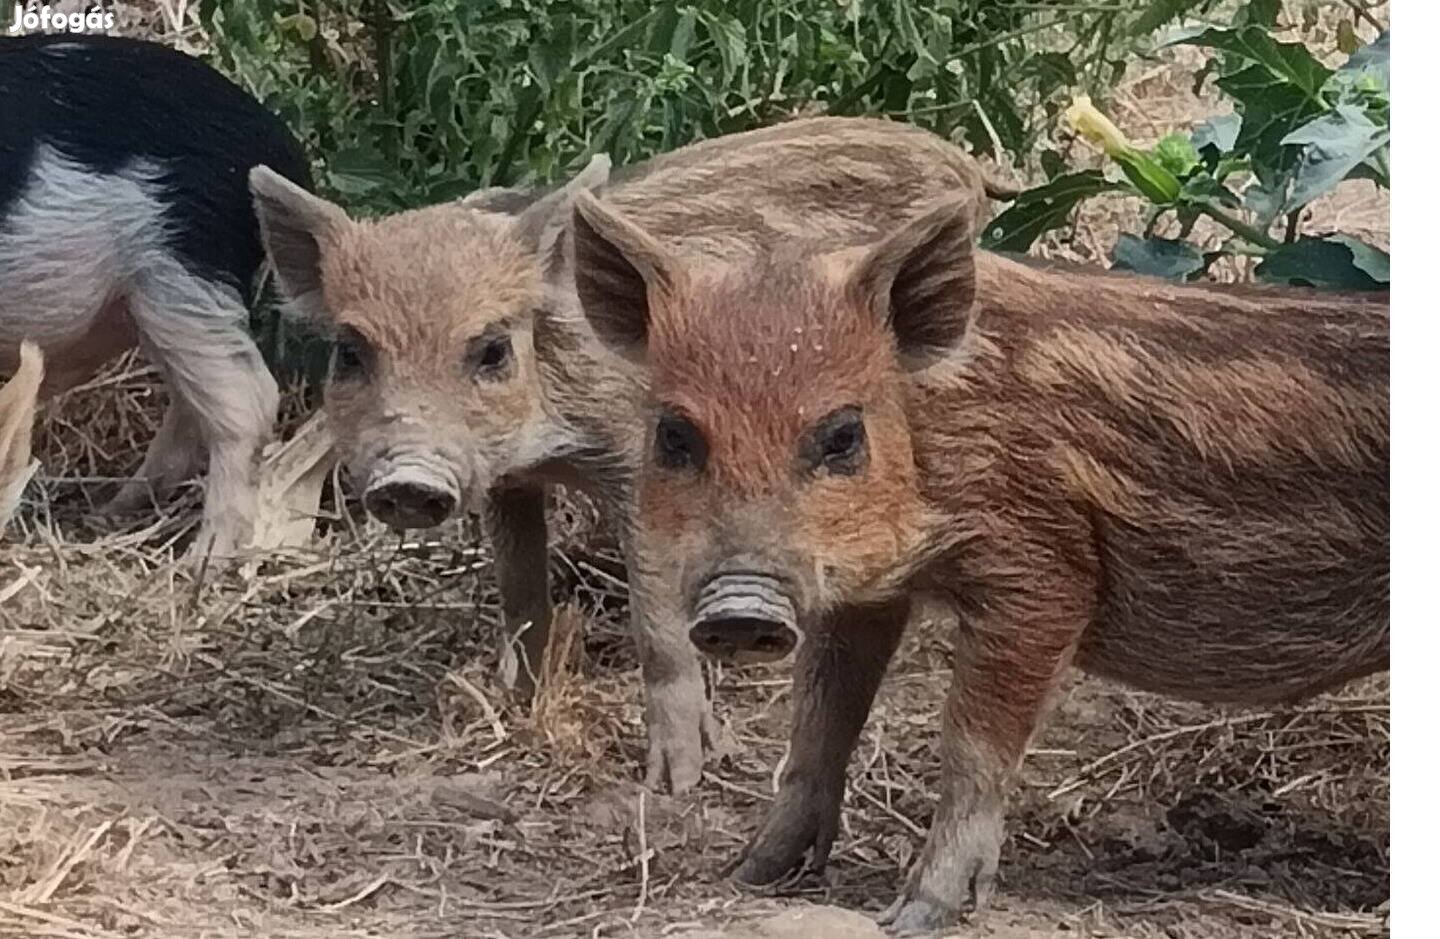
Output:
(1335, 145)
(1157, 257)
(1276, 87)
(1338, 262)
(1287, 63)
(1219, 132)
(1368, 258)
(1047, 207)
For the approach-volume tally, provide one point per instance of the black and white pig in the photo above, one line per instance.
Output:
(125, 220)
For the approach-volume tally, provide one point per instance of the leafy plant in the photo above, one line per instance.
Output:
(1298, 130)
(410, 102)
(406, 102)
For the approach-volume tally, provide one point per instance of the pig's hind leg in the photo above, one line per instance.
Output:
(175, 454)
(514, 519)
(195, 331)
(1010, 655)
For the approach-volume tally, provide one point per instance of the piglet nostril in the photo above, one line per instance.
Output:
(411, 502)
(745, 617)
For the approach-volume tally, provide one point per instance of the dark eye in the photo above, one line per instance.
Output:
(679, 443)
(352, 356)
(838, 443)
(489, 356)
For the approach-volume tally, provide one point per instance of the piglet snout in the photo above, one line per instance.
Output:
(412, 497)
(745, 618)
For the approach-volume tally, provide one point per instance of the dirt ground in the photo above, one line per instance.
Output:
(322, 753)
(322, 750)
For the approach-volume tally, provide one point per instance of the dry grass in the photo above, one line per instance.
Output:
(322, 750)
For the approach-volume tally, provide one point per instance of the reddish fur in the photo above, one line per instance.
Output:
(1182, 488)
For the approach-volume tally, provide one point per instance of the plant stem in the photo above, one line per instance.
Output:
(1245, 230)
(1292, 226)
(380, 30)
(1365, 14)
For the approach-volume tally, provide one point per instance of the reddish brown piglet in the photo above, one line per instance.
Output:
(1184, 488)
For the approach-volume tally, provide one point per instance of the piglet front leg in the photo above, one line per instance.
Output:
(1009, 658)
(837, 673)
(680, 726)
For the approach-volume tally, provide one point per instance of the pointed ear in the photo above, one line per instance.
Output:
(541, 224)
(292, 223)
(501, 200)
(921, 280)
(618, 272)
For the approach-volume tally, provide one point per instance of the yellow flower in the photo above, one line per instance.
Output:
(1096, 127)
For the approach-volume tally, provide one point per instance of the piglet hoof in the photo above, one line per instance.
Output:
(796, 838)
(674, 762)
(918, 910)
(917, 916)
(682, 733)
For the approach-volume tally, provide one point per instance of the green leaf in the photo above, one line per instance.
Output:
(1154, 181)
(303, 25)
(1042, 209)
(357, 170)
(684, 34)
(1260, 13)
(1287, 63)
(728, 37)
(1177, 154)
(1338, 262)
(1203, 189)
(1367, 257)
(1051, 70)
(1052, 163)
(1276, 87)
(1373, 60)
(1335, 145)
(1157, 257)
(1219, 132)
(925, 63)
(1160, 12)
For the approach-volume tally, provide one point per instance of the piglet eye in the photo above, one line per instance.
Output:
(679, 443)
(352, 356)
(488, 357)
(838, 443)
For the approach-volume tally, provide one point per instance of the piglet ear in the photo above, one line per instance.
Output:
(921, 280)
(541, 224)
(619, 270)
(292, 224)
